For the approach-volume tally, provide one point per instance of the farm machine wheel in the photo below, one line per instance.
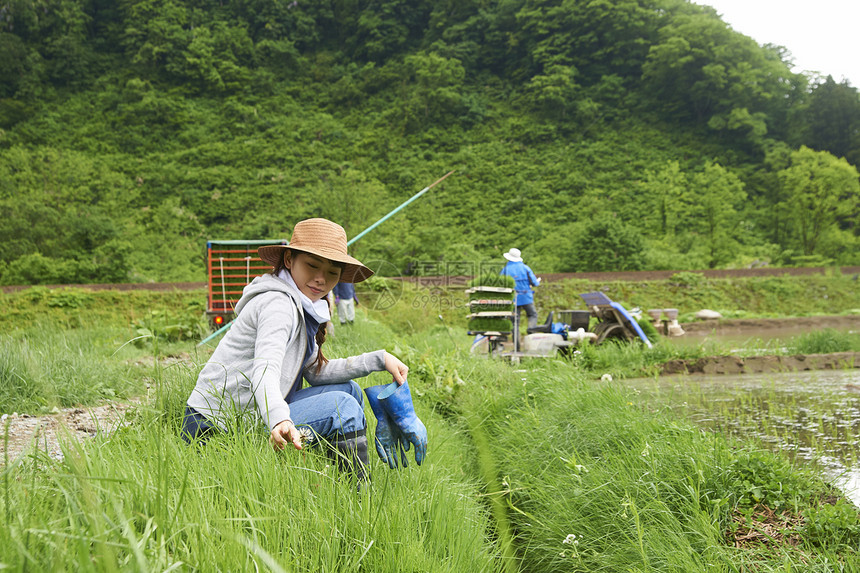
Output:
(614, 330)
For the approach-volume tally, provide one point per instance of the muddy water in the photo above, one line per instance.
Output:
(814, 416)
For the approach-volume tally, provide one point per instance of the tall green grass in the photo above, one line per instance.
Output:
(827, 341)
(42, 368)
(596, 480)
(141, 499)
(145, 501)
(535, 466)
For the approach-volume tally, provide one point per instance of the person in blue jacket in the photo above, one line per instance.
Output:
(344, 298)
(525, 282)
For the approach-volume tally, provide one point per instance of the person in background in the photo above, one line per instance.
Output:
(344, 298)
(329, 326)
(525, 282)
(258, 369)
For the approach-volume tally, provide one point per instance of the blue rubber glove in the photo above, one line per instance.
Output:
(397, 403)
(387, 439)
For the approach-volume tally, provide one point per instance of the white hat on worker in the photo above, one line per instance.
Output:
(514, 255)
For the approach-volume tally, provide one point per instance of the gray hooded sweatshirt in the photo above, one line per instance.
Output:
(256, 363)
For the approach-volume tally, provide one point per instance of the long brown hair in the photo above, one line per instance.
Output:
(321, 331)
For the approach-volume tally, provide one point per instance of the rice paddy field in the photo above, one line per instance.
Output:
(562, 464)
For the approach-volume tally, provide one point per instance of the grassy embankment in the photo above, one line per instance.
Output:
(537, 467)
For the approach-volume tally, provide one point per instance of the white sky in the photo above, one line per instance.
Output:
(822, 35)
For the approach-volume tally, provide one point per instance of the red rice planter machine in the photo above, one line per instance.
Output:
(231, 265)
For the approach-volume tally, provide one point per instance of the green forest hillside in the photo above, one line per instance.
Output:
(591, 134)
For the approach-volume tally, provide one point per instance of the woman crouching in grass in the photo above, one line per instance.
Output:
(258, 368)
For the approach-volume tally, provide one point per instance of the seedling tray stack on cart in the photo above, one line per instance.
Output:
(492, 309)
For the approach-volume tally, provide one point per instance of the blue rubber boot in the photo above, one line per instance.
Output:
(397, 403)
(387, 437)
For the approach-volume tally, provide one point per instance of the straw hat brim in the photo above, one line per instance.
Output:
(353, 270)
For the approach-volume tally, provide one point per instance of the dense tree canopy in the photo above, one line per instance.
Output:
(820, 189)
(593, 134)
(834, 120)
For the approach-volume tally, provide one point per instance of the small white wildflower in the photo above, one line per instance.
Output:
(606, 378)
(571, 538)
(561, 554)
(646, 450)
(306, 434)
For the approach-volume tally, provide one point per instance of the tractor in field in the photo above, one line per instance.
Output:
(494, 326)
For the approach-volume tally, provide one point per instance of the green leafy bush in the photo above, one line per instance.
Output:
(68, 298)
(833, 525)
(688, 279)
(167, 326)
(379, 284)
(433, 376)
(757, 477)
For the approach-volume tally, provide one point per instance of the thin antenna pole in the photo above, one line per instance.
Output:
(402, 205)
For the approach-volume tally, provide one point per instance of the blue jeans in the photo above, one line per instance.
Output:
(328, 410)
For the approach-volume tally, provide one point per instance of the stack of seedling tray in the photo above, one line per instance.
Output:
(491, 305)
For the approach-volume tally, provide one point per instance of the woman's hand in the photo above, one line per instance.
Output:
(285, 433)
(396, 368)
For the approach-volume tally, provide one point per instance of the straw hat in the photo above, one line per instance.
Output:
(323, 238)
(514, 255)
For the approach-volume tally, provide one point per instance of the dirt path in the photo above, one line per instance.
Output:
(82, 422)
(44, 432)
